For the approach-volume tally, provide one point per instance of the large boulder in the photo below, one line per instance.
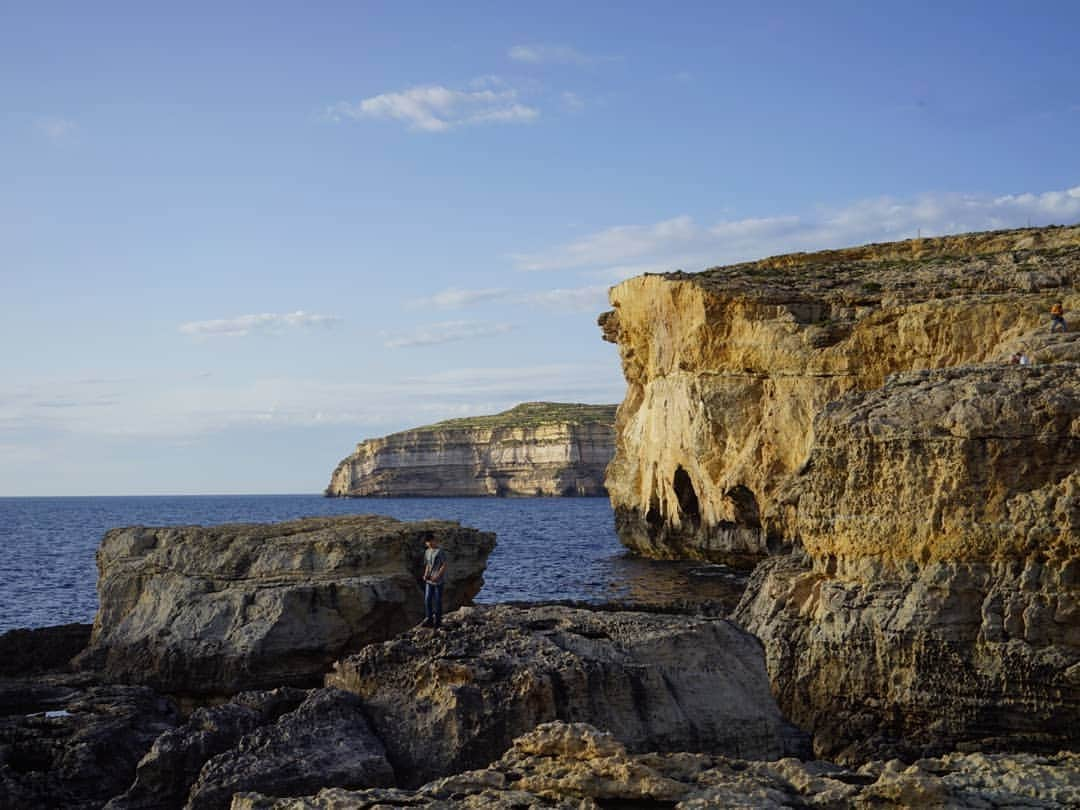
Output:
(456, 699)
(213, 610)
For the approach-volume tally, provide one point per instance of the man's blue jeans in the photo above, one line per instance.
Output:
(433, 603)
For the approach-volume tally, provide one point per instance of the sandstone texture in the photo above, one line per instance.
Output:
(939, 578)
(726, 370)
(217, 610)
(537, 448)
(858, 409)
(455, 700)
(574, 766)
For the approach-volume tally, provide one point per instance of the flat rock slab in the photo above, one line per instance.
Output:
(222, 609)
(451, 700)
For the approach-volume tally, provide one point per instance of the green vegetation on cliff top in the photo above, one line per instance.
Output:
(531, 414)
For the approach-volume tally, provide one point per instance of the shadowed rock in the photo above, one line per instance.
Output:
(211, 610)
(455, 700)
(80, 747)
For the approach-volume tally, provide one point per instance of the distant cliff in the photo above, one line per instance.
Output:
(536, 448)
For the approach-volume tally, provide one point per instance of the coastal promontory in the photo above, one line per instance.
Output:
(534, 449)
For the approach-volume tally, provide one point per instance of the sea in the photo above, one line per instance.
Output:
(548, 549)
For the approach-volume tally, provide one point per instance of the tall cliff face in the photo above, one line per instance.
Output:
(727, 369)
(534, 449)
(857, 408)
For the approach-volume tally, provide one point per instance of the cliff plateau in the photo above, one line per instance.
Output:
(536, 448)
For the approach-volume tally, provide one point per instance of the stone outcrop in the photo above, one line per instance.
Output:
(537, 448)
(217, 610)
(576, 767)
(456, 700)
(939, 577)
(727, 369)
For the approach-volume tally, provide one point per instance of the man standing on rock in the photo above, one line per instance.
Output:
(434, 576)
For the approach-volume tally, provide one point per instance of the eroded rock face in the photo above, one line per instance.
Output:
(575, 766)
(940, 577)
(213, 610)
(455, 700)
(727, 369)
(537, 448)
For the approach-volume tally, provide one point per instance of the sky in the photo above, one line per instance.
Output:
(238, 238)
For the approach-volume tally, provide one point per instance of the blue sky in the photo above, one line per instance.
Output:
(235, 239)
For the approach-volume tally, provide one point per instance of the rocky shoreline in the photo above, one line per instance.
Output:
(508, 706)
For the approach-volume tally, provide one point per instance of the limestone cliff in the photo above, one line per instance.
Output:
(858, 409)
(727, 369)
(536, 448)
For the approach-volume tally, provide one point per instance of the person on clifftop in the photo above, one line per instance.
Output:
(1057, 318)
(434, 578)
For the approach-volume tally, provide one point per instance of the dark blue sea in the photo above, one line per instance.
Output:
(548, 548)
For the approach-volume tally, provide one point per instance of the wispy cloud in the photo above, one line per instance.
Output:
(573, 102)
(178, 409)
(592, 298)
(434, 108)
(444, 332)
(549, 54)
(55, 128)
(680, 242)
(265, 323)
(455, 299)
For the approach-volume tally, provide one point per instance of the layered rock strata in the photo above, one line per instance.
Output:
(727, 369)
(576, 767)
(457, 700)
(216, 610)
(939, 577)
(537, 448)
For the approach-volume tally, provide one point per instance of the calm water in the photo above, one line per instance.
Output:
(548, 548)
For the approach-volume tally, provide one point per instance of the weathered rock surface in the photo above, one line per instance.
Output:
(575, 766)
(455, 700)
(79, 747)
(537, 448)
(197, 610)
(727, 369)
(166, 774)
(940, 579)
(326, 742)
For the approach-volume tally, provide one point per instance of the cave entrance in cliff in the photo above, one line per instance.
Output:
(688, 500)
(744, 507)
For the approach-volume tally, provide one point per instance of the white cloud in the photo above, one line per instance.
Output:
(434, 108)
(244, 325)
(592, 299)
(454, 298)
(444, 332)
(681, 242)
(55, 128)
(548, 54)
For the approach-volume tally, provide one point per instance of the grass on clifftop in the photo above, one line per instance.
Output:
(532, 414)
